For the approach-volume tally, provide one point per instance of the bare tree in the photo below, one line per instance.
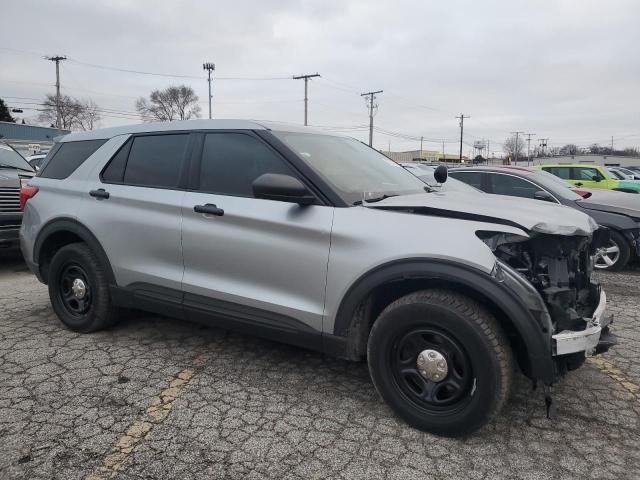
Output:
(173, 103)
(89, 115)
(74, 113)
(513, 145)
(569, 149)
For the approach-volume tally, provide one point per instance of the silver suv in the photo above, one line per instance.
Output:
(319, 241)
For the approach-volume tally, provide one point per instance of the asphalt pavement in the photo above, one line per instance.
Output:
(158, 398)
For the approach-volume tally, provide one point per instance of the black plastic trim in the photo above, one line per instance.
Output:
(538, 342)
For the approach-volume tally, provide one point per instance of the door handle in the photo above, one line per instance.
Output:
(209, 208)
(100, 193)
(578, 184)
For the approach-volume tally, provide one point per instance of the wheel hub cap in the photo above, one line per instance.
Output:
(432, 365)
(79, 288)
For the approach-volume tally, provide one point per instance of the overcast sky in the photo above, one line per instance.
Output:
(565, 70)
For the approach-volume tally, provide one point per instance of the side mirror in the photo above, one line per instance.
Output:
(283, 188)
(440, 174)
(596, 178)
(544, 196)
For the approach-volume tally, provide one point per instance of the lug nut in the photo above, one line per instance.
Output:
(432, 355)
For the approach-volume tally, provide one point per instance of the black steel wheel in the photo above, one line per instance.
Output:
(79, 289)
(441, 361)
(75, 290)
(432, 369)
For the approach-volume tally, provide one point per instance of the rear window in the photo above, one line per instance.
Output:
(68, 157)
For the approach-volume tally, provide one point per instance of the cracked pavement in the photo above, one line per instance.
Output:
(159, 398)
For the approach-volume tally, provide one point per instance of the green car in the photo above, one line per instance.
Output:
(591, 176)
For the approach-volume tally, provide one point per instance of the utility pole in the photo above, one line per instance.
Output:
(488, 143)
(461, 117)
(209, 67)
(421, 139)
(529, 147)
(517, 134)
(444, 157)
(306, 98)
(372, 97)
(611, 144)
(57, 59)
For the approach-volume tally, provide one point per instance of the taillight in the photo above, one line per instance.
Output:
(26, 192)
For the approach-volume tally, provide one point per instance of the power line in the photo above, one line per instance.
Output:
(372, 97)
(306, 98)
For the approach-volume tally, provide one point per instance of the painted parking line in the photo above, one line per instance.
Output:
(139, 430)
(617, 375)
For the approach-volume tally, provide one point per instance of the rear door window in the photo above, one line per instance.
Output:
(68, 157)
(561, 172)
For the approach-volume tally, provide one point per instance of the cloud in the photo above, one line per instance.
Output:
(566, 70)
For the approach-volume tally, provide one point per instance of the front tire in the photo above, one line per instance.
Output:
(615, 255)
(440, 361)
(79, 289)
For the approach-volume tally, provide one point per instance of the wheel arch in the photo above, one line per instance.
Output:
(376, 289)
(64, 231)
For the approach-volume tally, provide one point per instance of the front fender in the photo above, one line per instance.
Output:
(520, 304)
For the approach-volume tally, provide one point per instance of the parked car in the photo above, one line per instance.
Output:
(591, 176)
(14, 169)
(625, 172)
(619, 212)
(320, 241)
(36, 160)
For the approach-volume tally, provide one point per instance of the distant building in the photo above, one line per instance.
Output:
(29, 139)
(423, 155)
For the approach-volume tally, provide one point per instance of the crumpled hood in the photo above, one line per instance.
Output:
(530, 215)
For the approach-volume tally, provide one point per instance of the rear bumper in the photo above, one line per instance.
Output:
(589, 339)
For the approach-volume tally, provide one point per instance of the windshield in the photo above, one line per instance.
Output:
(555, 185)
(352, 168)
(10, 158)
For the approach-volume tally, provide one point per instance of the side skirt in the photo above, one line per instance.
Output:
(226, 315)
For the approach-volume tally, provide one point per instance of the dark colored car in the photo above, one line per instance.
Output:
(14, 169)
(620, 215)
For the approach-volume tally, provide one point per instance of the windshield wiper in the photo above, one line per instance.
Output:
(6, 165)
(375, 199)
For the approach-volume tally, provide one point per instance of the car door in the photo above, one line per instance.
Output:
(262, 263)
(134, 208)
(476, 178)
(589, 177)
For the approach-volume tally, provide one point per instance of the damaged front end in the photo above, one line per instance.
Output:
(559, 267)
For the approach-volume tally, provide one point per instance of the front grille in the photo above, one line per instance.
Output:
(9, 200)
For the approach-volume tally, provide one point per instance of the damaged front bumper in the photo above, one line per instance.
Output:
(594, 339)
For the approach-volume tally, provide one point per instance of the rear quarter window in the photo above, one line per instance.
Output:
(67, 157)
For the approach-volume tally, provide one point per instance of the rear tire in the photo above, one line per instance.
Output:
(79, 289)
(475, 377)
